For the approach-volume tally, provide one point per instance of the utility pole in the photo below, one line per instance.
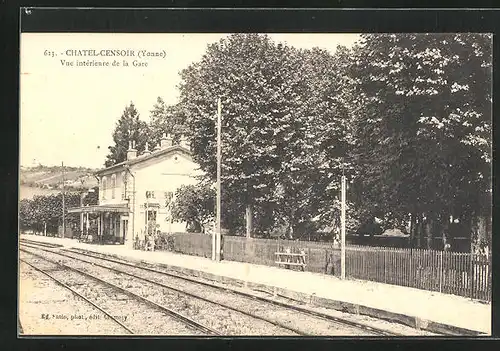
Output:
(63, 203)
(342, 221)
(219, 160)
(82, 195)
(248, 217)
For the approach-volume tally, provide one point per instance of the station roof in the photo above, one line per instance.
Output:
(144, 157)
(100, 209)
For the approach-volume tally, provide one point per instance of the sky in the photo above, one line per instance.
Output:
(68, 113)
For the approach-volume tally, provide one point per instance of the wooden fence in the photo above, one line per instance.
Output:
(262, 251)
(448, 272)
(193, 244)
(456, 273)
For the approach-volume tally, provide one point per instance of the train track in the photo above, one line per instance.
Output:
(39, 243)
(249, 297)
(76, 293)
(102, 287)
(282, 329)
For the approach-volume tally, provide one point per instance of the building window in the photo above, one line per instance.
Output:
(150, 194)
(113, 185)
(104, 187)
(124, 185)
(150, 216)
(169, 197)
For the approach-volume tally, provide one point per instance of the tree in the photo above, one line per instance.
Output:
(423, 126)
(315, 143)
(277, 104)
(26, 214)
(165, 119)
(128, 128)
(92, 198)
(195, 205)
(47, 211)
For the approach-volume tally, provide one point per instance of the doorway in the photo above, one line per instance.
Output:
(150, 221)
(124, 230)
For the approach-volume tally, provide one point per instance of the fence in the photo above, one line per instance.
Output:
(262, 251)
(456, 273)
(193, 244)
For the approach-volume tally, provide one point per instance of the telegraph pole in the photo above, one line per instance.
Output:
(82, 195)
(342, 221)
(219, 159)
(63, 203)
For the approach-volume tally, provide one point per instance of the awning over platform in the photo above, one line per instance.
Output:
(100, 209)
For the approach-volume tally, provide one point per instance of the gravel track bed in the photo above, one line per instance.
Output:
(394, 327)
(367, 320)
(136, 315)
(46, 308)
(310, 325)
(363, 319)
(222, 319)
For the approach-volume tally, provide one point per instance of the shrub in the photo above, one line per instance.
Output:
(165, 241)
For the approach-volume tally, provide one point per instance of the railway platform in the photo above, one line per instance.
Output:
(432, 311)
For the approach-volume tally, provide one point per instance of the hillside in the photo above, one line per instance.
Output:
(42, 180)
(28, 192)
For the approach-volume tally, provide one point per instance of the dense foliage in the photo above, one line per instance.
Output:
(284, 126)
(194, 205)
(423, 127)
(47, 210)
(165, 119)
(406, 118)
(129, 128)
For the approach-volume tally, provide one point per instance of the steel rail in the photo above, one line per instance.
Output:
(166, 310)
(77, 294)
(323, 316)
(186, 293)
(41, 243)
(320, 315)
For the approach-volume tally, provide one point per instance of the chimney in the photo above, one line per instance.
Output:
(157, 147)
(131, 152)
(146, 152)
(184, 142)
(166, 141)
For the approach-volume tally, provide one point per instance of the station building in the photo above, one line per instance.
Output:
(138, 193)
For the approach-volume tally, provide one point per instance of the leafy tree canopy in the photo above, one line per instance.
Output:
(165, 119)
(284, 120)
(194, 205)
(423, 123)
(128, 128)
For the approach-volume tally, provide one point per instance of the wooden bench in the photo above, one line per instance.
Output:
(111, 239)
(86, 238)
(291, 259)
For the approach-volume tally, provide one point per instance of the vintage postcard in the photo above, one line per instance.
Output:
(265, 184)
